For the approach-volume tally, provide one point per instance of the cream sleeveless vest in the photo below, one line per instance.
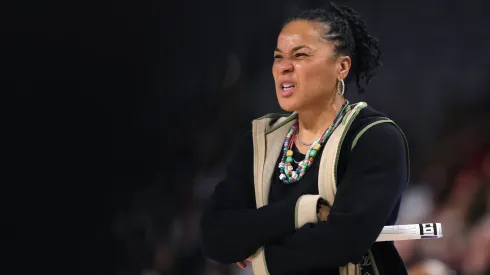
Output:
(268, 142)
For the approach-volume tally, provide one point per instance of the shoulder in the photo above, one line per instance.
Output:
(366, 116)
(373, 140)
(372, 126)
(272, 116)
(374, 134)
(273, 121)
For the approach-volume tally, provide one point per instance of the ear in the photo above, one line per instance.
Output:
(345, 64)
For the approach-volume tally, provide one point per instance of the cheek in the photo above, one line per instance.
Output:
(318, 77)
(275, 72)
(274, 69)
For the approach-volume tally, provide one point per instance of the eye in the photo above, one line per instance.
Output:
(277, 56)
(300, 55)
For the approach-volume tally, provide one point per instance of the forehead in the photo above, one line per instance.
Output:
(301, 32)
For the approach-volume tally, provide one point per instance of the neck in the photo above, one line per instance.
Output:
(314, 121)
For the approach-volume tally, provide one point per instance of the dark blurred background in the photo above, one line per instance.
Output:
(126, 113)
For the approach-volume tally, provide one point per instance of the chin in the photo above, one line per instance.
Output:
(288, 104)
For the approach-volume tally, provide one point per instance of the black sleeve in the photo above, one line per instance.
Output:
(232, 228)
(375, 177)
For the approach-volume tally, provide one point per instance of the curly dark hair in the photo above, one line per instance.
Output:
(344, 27)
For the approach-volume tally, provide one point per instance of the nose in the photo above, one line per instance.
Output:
(285, 66)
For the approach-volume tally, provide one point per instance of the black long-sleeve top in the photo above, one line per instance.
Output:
(371, 178)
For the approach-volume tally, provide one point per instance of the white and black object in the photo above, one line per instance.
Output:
(410, 232)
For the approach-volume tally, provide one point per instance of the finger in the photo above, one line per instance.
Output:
(325, 208)
(323, 215)
(242, 265)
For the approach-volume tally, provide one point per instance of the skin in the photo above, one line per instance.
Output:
(304, 58)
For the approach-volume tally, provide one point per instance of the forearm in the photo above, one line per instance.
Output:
(232, 227)
(320, 246)
(231, 235)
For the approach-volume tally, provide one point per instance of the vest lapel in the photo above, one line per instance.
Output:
(274, 147)
(327, 182)
(258, 134)
(267, 147)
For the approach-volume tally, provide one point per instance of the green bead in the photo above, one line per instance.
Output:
(313, 153)
(289, 159)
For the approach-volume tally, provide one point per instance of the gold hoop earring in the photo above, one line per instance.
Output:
(340, 91)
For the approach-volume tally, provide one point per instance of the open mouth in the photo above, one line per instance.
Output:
(287, 86)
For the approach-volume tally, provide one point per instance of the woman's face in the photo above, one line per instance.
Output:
(306, 67)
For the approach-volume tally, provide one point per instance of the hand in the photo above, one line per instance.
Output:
(243, 264)
(323, 213)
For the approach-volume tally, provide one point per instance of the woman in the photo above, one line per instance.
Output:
(272, 207)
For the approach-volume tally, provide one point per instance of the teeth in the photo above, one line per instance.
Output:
(288, 85)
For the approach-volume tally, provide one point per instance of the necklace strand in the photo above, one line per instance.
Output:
(302, 142)
(287, 175)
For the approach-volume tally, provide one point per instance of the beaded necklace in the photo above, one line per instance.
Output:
(287, 174)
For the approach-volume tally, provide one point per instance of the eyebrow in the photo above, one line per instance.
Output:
(293, 49)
